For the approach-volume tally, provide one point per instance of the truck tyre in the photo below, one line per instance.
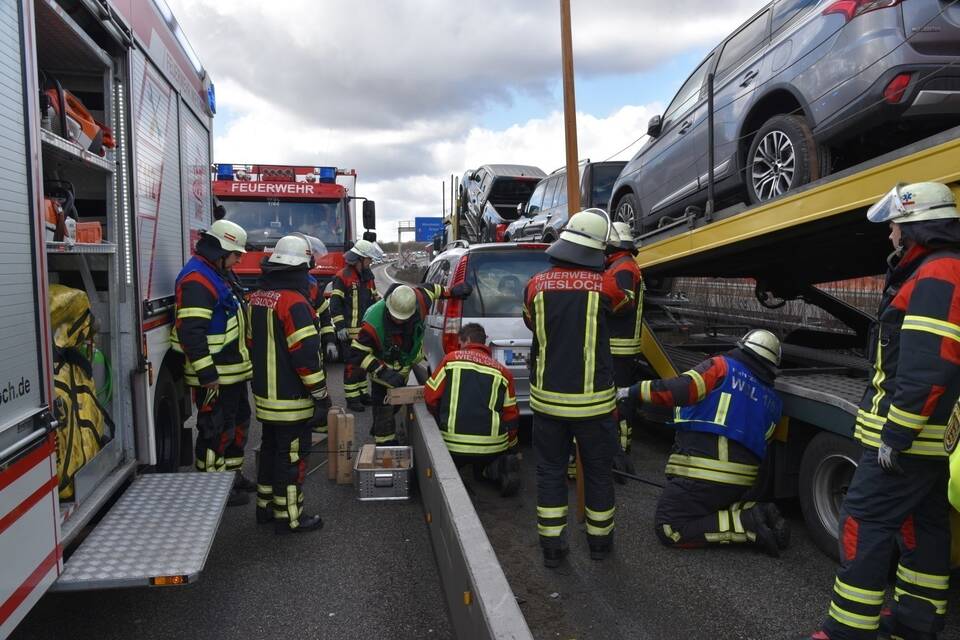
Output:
(826, 471)
(783, 155)
(628, 210)
(168, 423)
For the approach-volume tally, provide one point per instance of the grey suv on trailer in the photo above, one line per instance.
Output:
(803, 88)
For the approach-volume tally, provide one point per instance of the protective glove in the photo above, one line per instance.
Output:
(461, 290)
(889, 460)
(320, 408)
(391, 378)
(343, 335)
(623, 463)
(623, 393)
(332, 351)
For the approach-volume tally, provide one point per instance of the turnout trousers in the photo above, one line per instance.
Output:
(354, 377)
(694, 513)
(223, 418)
(384, 429)
(284, 450)
(880, 511)
(597, 439)
(625, 375)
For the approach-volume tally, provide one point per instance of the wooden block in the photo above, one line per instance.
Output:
(333, 419)
(367, 454)
(345, 449)
(404, 395)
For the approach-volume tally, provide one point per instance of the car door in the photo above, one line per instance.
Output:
(553, 215)
(534, 230)
(670, 169)
(534, 207)
(742, 66)
(438, 273)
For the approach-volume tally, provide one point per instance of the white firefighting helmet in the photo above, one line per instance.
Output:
(624, 237)
(317, 248)
(584, 239)
(402, 302)
(762, 344)
(367, 249)
(915, 203)
(292, 250)
(230, 235)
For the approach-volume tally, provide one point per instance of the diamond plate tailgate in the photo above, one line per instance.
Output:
(163, 525)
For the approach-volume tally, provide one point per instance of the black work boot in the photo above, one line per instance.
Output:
(753, 521)
(306, 523)
(264, 515)
(356, 405)
(890, 629)
(242, 483)
(600, 546)
(553, 556)
(238, 497)
(777, 523)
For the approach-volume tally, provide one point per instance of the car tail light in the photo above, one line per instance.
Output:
(896, 88)
(453, 311)
(850, 9)
(501, 229)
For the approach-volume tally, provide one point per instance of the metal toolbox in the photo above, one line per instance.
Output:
(383, 473)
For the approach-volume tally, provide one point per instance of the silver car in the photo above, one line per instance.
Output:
(802, 89)
(499, 273)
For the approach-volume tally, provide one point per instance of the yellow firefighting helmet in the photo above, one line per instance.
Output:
(584, 239)
(402, 302)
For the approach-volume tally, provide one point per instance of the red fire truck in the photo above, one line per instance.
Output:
(270, 201)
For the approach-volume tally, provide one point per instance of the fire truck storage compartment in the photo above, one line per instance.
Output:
(69, 58)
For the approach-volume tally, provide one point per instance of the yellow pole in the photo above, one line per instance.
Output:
(569, 110)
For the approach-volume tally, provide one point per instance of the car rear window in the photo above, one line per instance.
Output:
(512, 191)
(498, 279)
(604, 175)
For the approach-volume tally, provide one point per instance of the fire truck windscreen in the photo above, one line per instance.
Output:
(267, 221)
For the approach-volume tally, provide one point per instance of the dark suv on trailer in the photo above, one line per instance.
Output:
(488, 199)
(802, 88)
(546, 213)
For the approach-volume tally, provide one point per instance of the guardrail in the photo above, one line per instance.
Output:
(481, 603)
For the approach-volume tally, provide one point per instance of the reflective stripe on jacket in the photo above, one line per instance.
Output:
(473, 398)
(915, 351)
(209, 327)
(353, 293)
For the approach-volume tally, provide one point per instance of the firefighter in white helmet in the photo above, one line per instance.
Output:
(390, 342)
(572, 392)
(289, 386)
(898, 495)
(209, 332)
(353, 292)
(726, 413)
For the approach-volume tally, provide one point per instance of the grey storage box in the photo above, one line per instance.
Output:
(383, 473)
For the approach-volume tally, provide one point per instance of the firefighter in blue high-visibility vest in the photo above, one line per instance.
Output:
(726, 411)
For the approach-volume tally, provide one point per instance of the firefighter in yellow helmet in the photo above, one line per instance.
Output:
(209, 332)
(898, 494)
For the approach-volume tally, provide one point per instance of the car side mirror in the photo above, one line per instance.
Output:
(521, 209)
(654, 126)
(369, 214)
(473, 175)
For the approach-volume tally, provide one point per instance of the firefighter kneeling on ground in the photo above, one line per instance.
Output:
(209, 331)
(572, 392)
(289, 386)
(390, 342)
(898, 495)
(726, 413)
(472, 397)
(354, 291)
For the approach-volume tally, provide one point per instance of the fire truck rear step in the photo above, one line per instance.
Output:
(158, 533)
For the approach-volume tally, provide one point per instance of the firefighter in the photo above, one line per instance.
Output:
(726, 413)
(950, 440)
(472, 396)
(572, 391)
(209, 330)
(321, 306)
(897, 495)
(625, 327)
(289, 386)
(354, 291)
(390, 342)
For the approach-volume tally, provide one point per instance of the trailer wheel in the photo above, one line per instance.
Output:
(825, 474)
(783, 155)
(168, 423)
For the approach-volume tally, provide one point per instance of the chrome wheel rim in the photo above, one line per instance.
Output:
(774, 166)
(625, 213)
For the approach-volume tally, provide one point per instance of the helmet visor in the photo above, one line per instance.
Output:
(317, 248)
(890, 207)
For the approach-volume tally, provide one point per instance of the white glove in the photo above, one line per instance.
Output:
(622, 393)
(332, 351)
(343, 335)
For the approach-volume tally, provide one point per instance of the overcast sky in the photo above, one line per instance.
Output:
(408, 92)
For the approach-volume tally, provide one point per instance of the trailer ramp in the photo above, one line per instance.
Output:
(159, 533)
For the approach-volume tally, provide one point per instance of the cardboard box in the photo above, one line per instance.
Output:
(345, 450)
(333, 419)
(404, 395)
